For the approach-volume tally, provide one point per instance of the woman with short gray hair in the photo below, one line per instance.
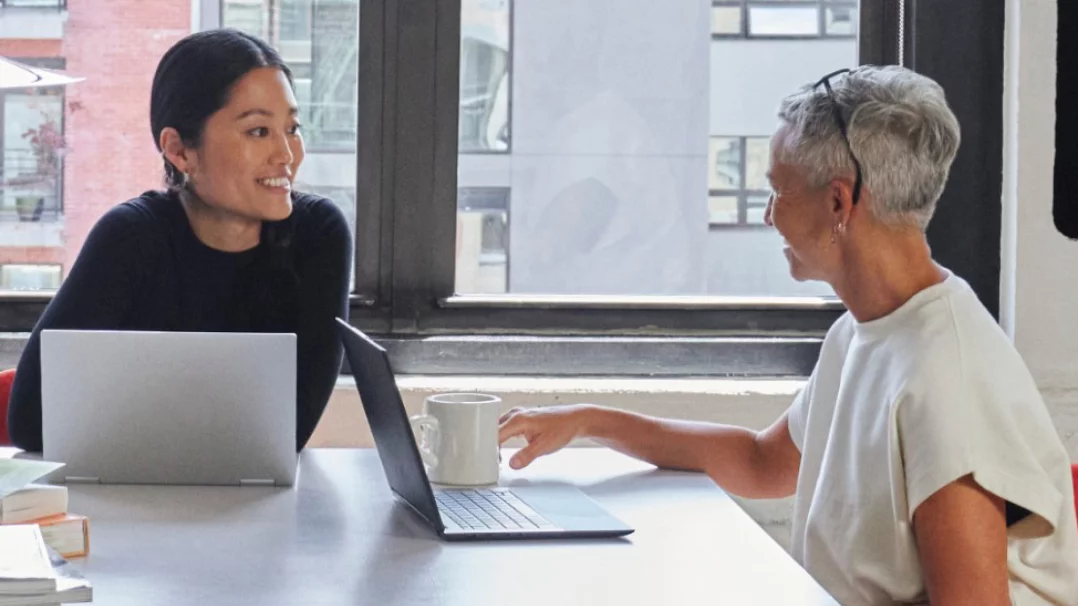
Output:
(922, 460)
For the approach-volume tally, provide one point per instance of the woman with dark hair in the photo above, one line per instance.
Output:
(229, 246)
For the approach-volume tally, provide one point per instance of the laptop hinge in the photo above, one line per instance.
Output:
(82, 480)
(256, 482)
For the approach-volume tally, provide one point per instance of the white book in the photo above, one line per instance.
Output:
(71, 587)
(33, 502)
(25, 567)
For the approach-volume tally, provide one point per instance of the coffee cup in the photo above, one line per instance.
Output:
(457, 435)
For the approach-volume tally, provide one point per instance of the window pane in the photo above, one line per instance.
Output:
(246, 15)
(633, 131)
(724, 160)
(841, 21)
(33, 146)
(482, 239)
(754, 210)
(726, 20)
(296, 20)
(69, 154)
(34, 3)
(484, 75)
(757, 151)
(783, 21)
(29, 277)
(722, 210)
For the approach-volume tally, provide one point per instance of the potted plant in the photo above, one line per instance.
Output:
(48, 146)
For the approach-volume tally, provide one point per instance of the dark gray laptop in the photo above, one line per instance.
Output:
(529, 512)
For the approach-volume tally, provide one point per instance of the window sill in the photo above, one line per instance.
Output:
(754, 403)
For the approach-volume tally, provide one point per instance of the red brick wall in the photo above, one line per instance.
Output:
(31, 254)
(115, 46)
(31, 48)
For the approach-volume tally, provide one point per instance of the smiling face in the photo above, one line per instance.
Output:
(804, 215)
(250, 150)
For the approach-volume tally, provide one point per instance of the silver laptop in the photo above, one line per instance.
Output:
(528, 512)
(129, 407)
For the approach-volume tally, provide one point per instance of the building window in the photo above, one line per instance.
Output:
(737, 180)
(778, 19)
(33, 4)
(482, 240)
(485, 46)
(32, 146)
(318, 41)
(30, 277)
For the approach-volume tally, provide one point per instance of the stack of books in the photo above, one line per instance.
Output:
(45, 505)
(32, 574)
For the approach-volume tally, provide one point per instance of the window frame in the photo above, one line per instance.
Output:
(406, 217)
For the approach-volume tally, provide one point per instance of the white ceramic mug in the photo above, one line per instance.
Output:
(458, 438)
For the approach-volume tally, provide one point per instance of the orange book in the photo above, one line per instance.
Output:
(68, 534)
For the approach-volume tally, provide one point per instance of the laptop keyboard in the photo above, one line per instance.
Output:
(488, 509)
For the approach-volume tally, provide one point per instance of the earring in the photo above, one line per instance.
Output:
(834, 237)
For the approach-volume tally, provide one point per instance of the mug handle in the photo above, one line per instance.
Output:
(425, 428)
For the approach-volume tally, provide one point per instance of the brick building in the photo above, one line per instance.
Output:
(109, 154)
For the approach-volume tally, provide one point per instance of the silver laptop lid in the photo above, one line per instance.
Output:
(169, 407)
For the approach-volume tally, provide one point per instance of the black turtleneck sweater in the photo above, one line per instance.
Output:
(143, 268)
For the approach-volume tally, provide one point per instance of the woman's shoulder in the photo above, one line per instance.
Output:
(313, 208)
(316, 217)
(142, 216)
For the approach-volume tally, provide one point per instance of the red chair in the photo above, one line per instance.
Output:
(7, 377)
(1074, 478)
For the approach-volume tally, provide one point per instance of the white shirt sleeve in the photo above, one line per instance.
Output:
(798, 411)
(948, 430)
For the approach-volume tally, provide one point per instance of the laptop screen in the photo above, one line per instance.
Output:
(389, 422)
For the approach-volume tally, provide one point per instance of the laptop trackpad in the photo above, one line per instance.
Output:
(568, 507)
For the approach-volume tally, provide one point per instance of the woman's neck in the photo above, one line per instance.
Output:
(220, 229)
(884, 272)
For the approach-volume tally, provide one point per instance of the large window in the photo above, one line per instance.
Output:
(536, 186)
(632, 138)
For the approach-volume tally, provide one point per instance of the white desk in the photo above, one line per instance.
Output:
(338, 537)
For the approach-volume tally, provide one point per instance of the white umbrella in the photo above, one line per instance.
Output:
(17, 75)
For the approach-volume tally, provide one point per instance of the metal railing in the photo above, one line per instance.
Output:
(57, 4)
(29, 191)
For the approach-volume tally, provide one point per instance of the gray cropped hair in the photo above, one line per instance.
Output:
(900, 128)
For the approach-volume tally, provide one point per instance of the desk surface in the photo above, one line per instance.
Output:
(337, 537)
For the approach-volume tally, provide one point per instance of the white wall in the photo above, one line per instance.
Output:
(1044, 290)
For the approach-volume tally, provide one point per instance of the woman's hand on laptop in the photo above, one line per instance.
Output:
(546, 430)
